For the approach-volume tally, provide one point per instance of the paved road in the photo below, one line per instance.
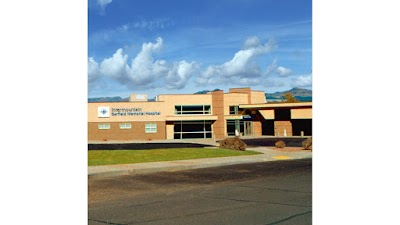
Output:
(262, 193)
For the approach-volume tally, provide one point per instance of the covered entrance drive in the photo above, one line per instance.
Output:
(283, 119)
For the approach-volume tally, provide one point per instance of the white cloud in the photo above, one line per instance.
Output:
(241, 67)
(144, 72)
(103, 3)
(115, 66)
(93, 70)
(273, 68)
(283, 72)
(251, 42)
(127, 30)
(244, 81)
(180, 73)
(144, 69)
(302, 81)
(157, 23)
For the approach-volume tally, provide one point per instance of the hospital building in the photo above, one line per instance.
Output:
(215, 115)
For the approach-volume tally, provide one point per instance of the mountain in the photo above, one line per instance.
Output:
(114, 99)
(206, 91)
(303, 95)
(108, 99)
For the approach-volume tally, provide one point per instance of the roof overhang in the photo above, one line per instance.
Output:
(276, 105)
(233, 117)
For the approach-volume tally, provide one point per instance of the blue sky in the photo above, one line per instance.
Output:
(160, 47)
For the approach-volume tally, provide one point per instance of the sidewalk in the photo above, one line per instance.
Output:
(269, 154)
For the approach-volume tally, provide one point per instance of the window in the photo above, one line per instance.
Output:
(233, 110)
(232, 125)
(103, 126)
(125, 126)
(151, 128)
(192, 129)
(192, 109)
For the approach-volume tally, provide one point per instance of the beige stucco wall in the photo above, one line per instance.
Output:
(170, 101)
(257, 97)
(231, 99)
(195, 99)
(165, 105)
(301, 113)
(144, 106)
(170, 130)
(138, 97)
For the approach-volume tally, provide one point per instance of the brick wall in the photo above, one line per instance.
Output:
(137, 132)
(218, 110)
(281, 126)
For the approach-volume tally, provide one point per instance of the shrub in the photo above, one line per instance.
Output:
(280, 144)
(233, 143)
(307, 144)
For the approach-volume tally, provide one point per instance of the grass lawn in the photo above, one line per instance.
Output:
(107, 157)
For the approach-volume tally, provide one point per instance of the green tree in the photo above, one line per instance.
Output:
(289, 97)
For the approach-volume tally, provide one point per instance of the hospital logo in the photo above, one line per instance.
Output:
(103, 112)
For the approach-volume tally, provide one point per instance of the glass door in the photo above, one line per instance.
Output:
(248, 128)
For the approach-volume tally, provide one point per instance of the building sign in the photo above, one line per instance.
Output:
(133, 112)
(103, 112)
(246, 117)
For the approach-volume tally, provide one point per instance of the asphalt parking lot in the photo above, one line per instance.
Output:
(277, 192)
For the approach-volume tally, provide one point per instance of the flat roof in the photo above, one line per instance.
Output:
(275, 105)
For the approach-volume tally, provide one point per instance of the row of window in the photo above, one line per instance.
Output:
(192, 129)
(149, 127)
(201, 109)
(192, 109)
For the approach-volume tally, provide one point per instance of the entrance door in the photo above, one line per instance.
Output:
(248, 128)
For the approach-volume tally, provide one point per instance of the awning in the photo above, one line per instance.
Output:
(301, 113)
(268, 114)
(234, 117)
(276, 105)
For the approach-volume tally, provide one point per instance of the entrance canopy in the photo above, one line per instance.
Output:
(276, 105)
(298, 110)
